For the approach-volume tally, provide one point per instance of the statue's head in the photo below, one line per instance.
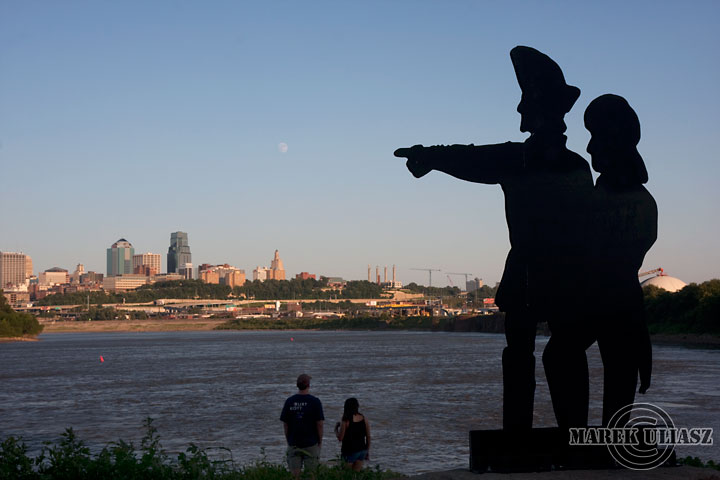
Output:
(615, 131)
(546, 98)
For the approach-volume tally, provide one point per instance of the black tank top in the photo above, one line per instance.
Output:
(355, 438)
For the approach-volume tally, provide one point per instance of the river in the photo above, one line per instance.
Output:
(422, 392)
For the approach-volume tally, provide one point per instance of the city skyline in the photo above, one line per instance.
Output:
(253, 131)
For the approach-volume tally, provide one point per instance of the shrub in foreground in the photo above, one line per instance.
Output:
(69, 458)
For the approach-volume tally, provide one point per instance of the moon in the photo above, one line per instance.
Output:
(282, 147)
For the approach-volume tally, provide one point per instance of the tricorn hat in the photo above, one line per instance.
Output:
(542, 81)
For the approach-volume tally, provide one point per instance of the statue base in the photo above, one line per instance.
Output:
(542, 449)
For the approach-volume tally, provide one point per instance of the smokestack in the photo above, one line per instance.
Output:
(393, 275)
(377, 274)
(369, 280)
(385, 275)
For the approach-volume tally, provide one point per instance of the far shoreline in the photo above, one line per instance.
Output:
(131, 326)
(19, 339)
(204, 324)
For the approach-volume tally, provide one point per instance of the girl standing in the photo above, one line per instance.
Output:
(354, 433)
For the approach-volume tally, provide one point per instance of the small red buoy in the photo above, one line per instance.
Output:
(101, 359)
(292, 339)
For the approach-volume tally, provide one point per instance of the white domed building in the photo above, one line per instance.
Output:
(666, 282)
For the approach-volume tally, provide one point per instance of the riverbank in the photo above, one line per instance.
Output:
(18, 339)
(200, 324)
(687, 339)
(154, 325)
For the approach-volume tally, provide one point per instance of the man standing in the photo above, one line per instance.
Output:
(302, 417)
(547, 188)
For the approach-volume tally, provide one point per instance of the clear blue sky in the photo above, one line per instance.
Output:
(136, 119)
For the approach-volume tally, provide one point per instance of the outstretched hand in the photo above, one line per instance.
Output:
(414, 163)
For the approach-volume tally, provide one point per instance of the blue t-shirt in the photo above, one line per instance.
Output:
(301, 413)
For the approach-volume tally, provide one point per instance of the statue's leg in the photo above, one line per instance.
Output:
(518, 362)
(620, 366)
(566, 370)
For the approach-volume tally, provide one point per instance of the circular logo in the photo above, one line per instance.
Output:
(650, 421)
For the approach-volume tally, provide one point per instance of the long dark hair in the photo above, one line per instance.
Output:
(351, 408)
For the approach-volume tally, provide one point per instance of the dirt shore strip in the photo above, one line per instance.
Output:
(185, 324)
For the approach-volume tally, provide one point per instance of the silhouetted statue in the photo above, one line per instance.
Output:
(626, 227)
(547, 189)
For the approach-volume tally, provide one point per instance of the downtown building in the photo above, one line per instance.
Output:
(178, 255)
(15, 269)
(221, 274)
(53, 276)
(120, 258)
(123, 283)
(275, 272)
(147, 264)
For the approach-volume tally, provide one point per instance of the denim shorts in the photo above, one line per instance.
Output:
(307, 457)
(355, 456)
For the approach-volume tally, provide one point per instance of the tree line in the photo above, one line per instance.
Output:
(294, 289)
(16, 324)
(485, 291)
(694, 309)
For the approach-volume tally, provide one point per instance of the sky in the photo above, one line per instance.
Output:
(257, 126)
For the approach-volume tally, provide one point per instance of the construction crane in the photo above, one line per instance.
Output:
(450, 280)
(659, 269)
(429, 270)
(466, 275)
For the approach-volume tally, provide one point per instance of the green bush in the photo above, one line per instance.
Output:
(15, 324)
(344, 323)
(71, 459)
(694, 309)
(696, 462)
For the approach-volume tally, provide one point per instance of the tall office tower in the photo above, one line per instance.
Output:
(179, 252)
(147, 263)
(76, 276)
(277, 272)
(14, 269)
(119, 258)
(28, 266)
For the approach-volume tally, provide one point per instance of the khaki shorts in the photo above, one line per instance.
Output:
(307, 456)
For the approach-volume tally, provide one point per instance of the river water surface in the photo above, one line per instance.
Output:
(422, 392)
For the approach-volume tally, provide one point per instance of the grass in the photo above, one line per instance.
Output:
(69, 458)
(696, 462)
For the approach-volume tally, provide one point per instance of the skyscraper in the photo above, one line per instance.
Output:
(15, 269)
(119, 258)
(179, 252)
